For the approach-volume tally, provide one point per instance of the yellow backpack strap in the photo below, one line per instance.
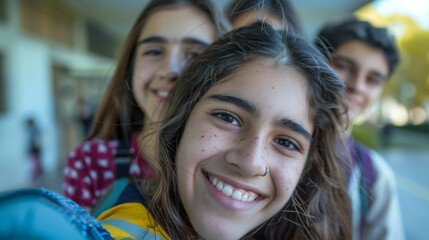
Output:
(131, 230)
(131, 220)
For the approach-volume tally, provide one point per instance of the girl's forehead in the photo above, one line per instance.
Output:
(275, 90)
(179, 22)
(267, 71)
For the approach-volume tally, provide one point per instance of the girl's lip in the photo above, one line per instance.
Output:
(236, 185)
(229, 203)
(161, 95)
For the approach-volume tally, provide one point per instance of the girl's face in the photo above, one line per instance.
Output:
(168, 40)
(255, 121)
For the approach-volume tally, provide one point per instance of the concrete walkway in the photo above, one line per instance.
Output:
(409, 158)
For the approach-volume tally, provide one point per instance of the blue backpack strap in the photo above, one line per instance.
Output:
(41, 214)
(110, 197)
(122, 191)
(123, 158)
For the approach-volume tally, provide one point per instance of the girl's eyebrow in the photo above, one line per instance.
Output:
(192, 40)
(253, 110)
(160, 39)
(238, 102)
(294, 126)
(152, 39)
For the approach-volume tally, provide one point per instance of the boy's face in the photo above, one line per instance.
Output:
(365, 71)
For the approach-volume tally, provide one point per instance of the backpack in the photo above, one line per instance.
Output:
(361, 157)
(42, 214)
(123, 158)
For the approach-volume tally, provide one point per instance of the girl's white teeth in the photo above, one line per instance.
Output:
(228, 190)
(163, 93)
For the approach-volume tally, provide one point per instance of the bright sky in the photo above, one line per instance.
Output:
(417, 9)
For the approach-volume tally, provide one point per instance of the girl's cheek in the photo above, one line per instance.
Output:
(211, 142)
(290, 175)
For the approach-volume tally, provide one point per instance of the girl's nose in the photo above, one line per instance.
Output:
(172, 66)
(249, 157)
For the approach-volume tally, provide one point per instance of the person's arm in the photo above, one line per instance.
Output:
(383, 220)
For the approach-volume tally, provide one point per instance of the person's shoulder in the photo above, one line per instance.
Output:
(94, 147)
(381, 166)
(92, 154)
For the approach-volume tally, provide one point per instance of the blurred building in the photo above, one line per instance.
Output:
(50, 57)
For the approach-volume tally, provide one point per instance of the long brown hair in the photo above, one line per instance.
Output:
(320, 206)
(119, 115)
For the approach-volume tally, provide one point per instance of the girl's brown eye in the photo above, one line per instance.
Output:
(153, 52)
(287, 143)
(227, 117)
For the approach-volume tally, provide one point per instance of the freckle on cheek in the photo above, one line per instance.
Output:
(202, 136)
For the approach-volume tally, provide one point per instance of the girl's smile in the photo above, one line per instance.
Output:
(233, 196)
(233, 192)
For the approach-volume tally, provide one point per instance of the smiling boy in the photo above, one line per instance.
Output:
(365, 57)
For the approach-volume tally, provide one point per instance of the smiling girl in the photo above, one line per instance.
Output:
(250, 145)
(164, 38)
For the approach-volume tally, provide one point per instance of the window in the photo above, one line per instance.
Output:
(47, 19)
(100, 41)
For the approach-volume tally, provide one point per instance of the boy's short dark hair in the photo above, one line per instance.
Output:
(332, 36)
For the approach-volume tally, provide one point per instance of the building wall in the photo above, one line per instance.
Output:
(29, 60)
(28, 93)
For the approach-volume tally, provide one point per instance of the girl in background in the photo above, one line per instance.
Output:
(166, 35)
